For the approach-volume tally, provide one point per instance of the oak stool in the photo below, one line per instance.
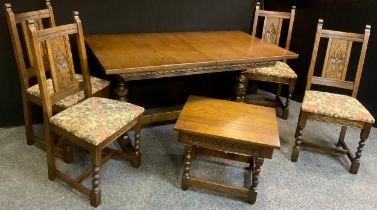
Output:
(237, 131)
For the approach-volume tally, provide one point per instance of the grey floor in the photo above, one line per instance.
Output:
(316, 181)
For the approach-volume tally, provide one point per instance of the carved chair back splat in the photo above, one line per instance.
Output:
(337, 58)
(19, 21)
(20, 37)
(59, 55)
(334, 108)
(272, 24)
(280, 73)
(60, 60)
(22, 46)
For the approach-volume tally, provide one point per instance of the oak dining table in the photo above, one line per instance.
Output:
(141, 56)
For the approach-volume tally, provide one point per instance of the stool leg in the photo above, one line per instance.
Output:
(241, 88)
(255, 180)
(300, 127)
(95, 193)
(363, 136)
(186, 172)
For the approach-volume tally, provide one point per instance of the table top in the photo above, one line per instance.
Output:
(148, 52)
(230, 120)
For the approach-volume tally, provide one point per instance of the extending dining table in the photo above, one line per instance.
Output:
(142, 56)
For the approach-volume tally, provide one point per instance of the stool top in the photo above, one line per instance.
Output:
(229, 120)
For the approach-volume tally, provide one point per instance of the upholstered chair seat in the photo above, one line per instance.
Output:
(96, 119)
(97, 85)
(336, 105)
(280, 69)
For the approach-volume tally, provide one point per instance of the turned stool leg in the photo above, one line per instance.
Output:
(363, 137)
(186, 172)
(241, 88)
(300, 127)
(255, 180)
(137, 159)
(95, 192)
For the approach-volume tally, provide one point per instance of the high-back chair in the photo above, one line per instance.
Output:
(92, 124)
(335, 108)
(22, 50)
(280, 73)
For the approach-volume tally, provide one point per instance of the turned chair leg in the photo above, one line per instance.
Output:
(300, 127)
(258, 162)
(363, 137)
(137, 157)
(186, 172)
(241, 88)
(342, 136)
(95, 192)
(287, 103)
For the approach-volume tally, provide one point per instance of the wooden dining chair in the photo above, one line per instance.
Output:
(91, 124)
(280, 73)
(24, 58)
(335, 108)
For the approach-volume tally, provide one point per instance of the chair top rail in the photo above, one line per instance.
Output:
(284, 15)
(52, 33)
(342, 35)
(39, 14)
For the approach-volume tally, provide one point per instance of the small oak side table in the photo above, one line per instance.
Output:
(231, 130)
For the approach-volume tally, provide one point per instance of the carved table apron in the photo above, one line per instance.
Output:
(158, 55)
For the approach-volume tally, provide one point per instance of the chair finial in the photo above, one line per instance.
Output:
(258, 3)
(8, 7)
(48, 3)
(75, 13)
(293, 7)
(368, 27)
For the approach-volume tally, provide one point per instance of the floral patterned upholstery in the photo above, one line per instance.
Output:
(97, 85)
(280, 69)
(95, 119)
(336, 105)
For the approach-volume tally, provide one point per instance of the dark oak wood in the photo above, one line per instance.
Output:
(21, 43)
(231, 130)
(157, 55)
(26, 72)
(271, 33)
(334, 75)
(59, 55)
